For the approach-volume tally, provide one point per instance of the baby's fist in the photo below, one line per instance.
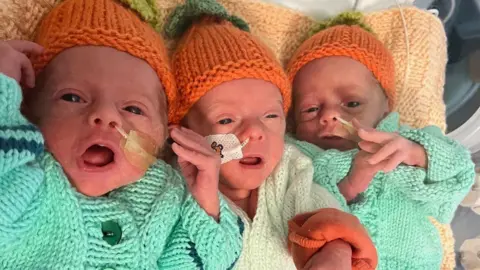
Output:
(15, 64)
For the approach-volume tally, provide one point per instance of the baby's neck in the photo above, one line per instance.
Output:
(245, 199)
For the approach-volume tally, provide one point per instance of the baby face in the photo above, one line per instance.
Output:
(333, 87)
(81, 95)
(251, 109)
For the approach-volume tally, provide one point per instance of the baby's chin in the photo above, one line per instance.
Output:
(241, 182)
(340, 145)
(235, 178)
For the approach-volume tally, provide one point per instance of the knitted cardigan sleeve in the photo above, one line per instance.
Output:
(20, 144)
(199, 242)
(446, 181)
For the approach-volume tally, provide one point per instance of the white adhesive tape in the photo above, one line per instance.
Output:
(227, 145)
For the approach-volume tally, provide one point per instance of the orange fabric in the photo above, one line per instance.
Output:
(103, 23)
(311, 231)
(350, 41)
(213, 52)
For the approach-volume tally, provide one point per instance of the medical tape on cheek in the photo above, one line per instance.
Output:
(346, 130)
(228, 146)
(139, 149)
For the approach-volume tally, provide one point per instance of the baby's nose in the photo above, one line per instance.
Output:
(104, 117)
(329, 118)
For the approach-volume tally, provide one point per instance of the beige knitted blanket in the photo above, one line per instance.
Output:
(420, 74)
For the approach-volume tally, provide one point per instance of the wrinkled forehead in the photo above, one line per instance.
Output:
(240, 94)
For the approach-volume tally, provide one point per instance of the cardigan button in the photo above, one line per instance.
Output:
(112, 233)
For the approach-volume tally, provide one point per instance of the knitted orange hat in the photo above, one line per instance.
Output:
(103, 23)
(215, 50)
(346, 35)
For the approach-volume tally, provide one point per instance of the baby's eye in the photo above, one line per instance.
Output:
(352, 104)
(311, 110)
(225, 121)
(72, 98)
(134, 110)
(271, 116)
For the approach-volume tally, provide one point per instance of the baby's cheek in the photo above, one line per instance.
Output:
(305, 131)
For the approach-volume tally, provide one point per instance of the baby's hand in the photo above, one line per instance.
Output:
(391, 149)
(334, 255)
(15, 64)
(360, 176)
(200, 165)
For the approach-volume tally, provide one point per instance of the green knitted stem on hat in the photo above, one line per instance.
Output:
(184, 15)
(147, 9)
(345, 18)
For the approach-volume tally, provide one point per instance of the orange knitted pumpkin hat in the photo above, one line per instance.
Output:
(103, 23)
(215, 49)
(347, 35)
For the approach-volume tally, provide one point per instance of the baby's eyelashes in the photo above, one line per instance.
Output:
(351, 104)
(311, 110)
(134, 110)
(72, 98)
(225, 121)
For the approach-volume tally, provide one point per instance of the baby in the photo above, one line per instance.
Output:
(394, 177)
(86, 202)
(232, 91)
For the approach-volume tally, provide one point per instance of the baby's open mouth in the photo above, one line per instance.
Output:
(98, 156)
(251, 161)
(332, 137)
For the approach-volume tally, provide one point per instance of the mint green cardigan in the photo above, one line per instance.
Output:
(396, 206)
(46, 224)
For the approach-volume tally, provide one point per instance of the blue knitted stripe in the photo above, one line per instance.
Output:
(19, 132)
(26, 127)
(21, 145)
(240, 225)
(193, 253)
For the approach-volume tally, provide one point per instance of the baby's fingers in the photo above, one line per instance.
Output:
(187, 155)
(393, 162)
(189, 141)
(25, 46)
(369, 147)
(356, 124)
(375, 136)
(385, 152)
(28, 74)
